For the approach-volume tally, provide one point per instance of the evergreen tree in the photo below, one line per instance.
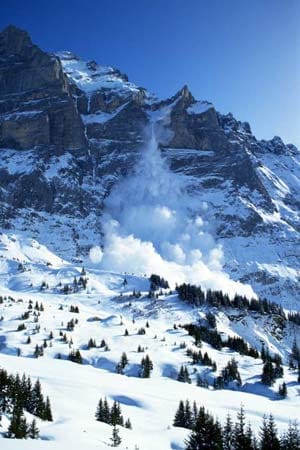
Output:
(180, 376)
(183, 375)
(115, 439)
(75, 356)
(116, 417)
(91, 343)
(291, 439)
(179, 419)
(206, 433)
(47, 411)
(268, 435)
(37, 404)
(189, 423)
(195, 413)
(228, 434)
(282, 390)
(106, 411)
(241, 441)
(99, 412)
(18, 427)
(33, 431)
(146, 367)
(268, 376)
(122, 363)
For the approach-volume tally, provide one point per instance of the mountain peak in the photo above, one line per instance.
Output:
(13, 40)
(186, 93)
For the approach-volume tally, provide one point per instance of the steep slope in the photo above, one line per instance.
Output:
(90, 131)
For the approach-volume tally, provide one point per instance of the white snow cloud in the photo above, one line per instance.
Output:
(153, 226)
(96, 254)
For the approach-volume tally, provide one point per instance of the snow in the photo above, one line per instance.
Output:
(74, 390)
(162, 115)
(199, 107)
(21, 114)
(102, 117)
(89, 80)
(26, 161)
(176, 242)
(154, 223)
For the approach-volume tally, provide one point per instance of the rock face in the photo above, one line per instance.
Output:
(70, 129)
(36, 107)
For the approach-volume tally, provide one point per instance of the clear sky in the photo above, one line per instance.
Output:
(243, 55)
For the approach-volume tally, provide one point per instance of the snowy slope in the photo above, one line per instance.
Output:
(74, 389)
(89, 76)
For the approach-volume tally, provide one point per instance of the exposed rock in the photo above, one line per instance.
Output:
(36, 107)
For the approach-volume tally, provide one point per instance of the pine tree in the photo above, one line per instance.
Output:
(282, 390)
(206, 433)
(195, 413)
(18, 427)
(128, 424)
(291, 439)
(122, 363)
(179, 419)
(99, 412)
(180, 376)
(91, 343)
(115, 439)
(75, 356)
(188, 415)
(273, 443)
(146, 367)
(187, 376)
(116, 417)
(250, 437)
(37, 405)
(228, 434)
(268, 435)
(106, 411)
(264, 434)
(47, 411)
(33, 431)
(183, 375)
(267, 376)
(241, 440)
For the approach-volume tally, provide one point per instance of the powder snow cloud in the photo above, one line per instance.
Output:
(152, 225)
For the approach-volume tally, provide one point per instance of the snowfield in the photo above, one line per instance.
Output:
(106, 309)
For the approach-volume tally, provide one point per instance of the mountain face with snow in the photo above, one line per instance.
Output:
(111, 201)
(71, 131)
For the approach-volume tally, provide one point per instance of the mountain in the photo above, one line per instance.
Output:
(71, 130)
(138, 237)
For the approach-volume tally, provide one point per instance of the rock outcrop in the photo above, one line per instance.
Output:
(36, 108)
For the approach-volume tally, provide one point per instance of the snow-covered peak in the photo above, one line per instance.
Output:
(90, 76)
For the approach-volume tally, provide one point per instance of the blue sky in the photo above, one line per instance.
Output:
(242, 55)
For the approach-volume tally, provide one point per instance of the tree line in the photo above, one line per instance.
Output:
(196, 296)
(207, 433)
